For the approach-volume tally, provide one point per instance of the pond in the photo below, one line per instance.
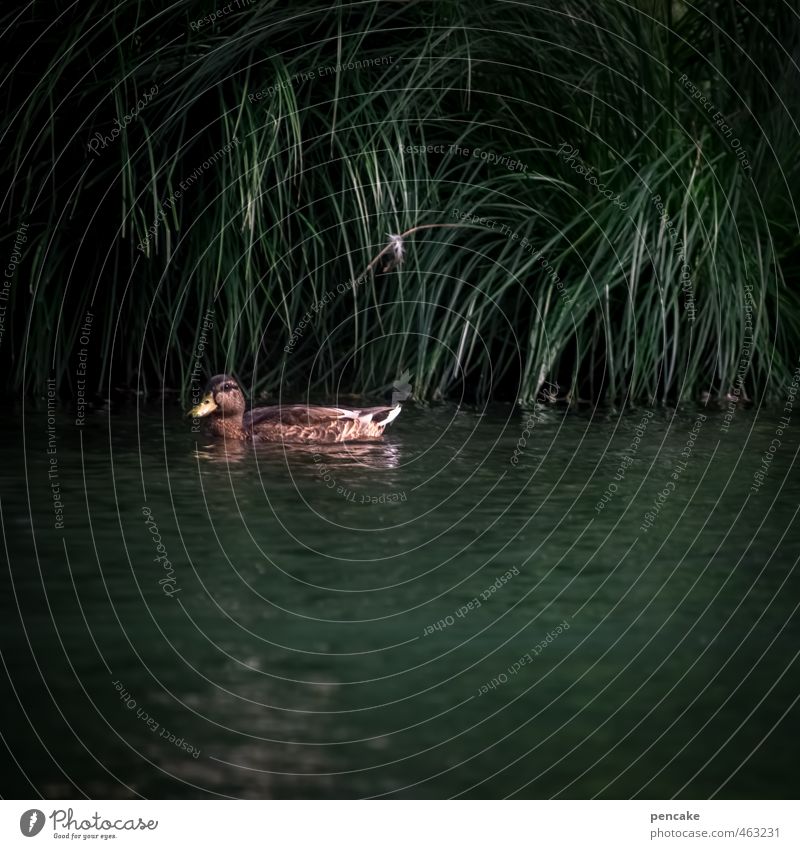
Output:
(487, 604)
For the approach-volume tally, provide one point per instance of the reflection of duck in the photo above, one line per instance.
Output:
(344, 455)
(224, 402)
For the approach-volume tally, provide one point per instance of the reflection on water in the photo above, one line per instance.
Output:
(370, 455)
(349, 620)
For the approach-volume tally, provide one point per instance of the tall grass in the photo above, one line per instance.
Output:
(316, 175)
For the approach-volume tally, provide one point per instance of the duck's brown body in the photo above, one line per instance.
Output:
(224, 404)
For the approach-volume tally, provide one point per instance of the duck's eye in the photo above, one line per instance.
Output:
(229, 387)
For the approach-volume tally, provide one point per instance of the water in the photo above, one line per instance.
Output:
(433, 616)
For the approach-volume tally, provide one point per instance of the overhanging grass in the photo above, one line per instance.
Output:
(318, 178)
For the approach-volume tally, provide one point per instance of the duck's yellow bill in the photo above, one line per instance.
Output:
(207, 405)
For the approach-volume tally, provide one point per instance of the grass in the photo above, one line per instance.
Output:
(318, 178)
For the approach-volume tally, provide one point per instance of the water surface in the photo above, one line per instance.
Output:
(435, 615)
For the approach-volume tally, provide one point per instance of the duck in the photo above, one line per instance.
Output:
(224, 403)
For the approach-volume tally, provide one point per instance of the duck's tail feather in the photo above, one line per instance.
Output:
(375, 415)
(391, 414)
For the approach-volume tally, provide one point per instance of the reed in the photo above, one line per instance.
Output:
(273, 162)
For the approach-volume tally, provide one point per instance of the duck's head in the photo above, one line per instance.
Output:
(222, 396)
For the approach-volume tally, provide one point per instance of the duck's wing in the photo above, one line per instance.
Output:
(300, 415)
(292, 415)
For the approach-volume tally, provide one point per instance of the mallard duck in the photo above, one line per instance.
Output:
(224, 402)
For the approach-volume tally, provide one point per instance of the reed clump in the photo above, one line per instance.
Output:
(619, 183)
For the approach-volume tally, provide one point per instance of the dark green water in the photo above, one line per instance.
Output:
(295, 646)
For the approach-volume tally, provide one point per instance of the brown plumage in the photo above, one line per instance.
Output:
(224, 403)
